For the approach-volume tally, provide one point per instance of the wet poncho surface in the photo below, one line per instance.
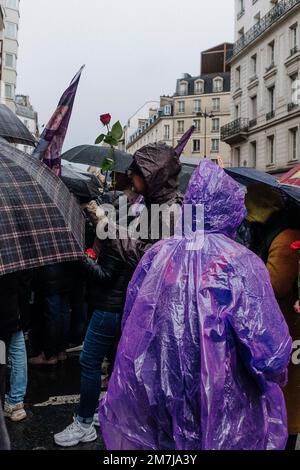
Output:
(205, 347)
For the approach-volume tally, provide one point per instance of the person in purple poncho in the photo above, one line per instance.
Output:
(205, 347)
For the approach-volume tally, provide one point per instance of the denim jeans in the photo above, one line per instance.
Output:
(98, 344)
(18, 375)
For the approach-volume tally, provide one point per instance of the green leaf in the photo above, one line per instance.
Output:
(110, 140)
(107, 165)
(117, 131)
(100, 139)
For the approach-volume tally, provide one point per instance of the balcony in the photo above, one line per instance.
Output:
(215, 130)
(235, 131)
(252, 123)
(270, 67)
(270, 115)
(276, 13)
(240, 13)
(292, 107)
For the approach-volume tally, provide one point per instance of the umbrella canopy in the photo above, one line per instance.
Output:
(84, 186)
(94, 155)
(40, 221)
(12, 128)
(247, 176)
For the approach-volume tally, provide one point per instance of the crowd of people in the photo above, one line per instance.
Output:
(198, 328)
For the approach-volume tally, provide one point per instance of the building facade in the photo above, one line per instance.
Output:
(203, 101)
(265, 112)
(29, 117)
(9, 51)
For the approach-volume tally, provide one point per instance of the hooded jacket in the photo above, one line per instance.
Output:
(160, 167)
(205, 346)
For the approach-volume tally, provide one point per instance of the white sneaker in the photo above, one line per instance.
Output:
(15, 412)
(74, 434)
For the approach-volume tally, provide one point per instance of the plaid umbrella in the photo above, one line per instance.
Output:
(13, 129)
(40, 221)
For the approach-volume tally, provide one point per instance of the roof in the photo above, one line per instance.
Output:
(208, 82)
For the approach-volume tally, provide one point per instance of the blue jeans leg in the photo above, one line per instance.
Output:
(98, 343)
(18, 376)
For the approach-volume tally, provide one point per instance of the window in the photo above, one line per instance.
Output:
(12, 4)
(10, 60)
(180, 127)
(237, 111)
(166, 132)
(11, 30)
(183, 88)
(215, 125)
(196, 145)
(199, 87)
(168, 109)
(197, 124)
(238, 78)
(271, 99)
(197, 106)
(215, 145)
(253, 154)
(237, 157)
(294, 37)
(271, 149)
(218, 85)
(181, 106)
(256, 18)
(241, 9)
(254, 64)
(271, 53)
(9, 91)
(216, 104)
(254, 107)
(295, 89)
(241, 33)
(293, 147)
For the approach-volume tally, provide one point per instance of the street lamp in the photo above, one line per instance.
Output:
(206, 115)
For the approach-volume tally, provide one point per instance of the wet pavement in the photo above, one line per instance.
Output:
(53, 392)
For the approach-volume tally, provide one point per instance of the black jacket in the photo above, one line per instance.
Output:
(107, 281)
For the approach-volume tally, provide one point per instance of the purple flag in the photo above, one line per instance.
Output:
(184, 140)
(52, 139)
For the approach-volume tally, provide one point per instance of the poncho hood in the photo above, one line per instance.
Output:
(223, 199)
(160, 167)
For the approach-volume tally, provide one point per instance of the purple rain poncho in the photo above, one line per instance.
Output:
(205, 347)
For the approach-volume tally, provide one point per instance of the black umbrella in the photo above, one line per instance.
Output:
(41, 223)
(248, 176)
(84, 186)
(12, 128)
(94, 155)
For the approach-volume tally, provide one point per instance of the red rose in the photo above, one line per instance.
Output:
(296, 246)
(105, 119)
(91, 254)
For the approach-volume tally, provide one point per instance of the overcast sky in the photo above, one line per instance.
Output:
(134, 51)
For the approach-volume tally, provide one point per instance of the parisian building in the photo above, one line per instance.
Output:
(265, 114)
(9, 21)
(195, 97)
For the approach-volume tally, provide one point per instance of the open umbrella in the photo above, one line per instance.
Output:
(247, 176)
(12, 128)
(94, 155)
(40, 221)
(84, 186)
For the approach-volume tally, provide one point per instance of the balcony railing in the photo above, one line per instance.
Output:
(234, 127)
(270, 115)
(292, 106)
(280, 9)
(294, 50)
(252, 122)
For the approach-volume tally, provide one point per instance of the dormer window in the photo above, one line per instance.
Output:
(199, 87)
(218, 85)
(183, 88)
